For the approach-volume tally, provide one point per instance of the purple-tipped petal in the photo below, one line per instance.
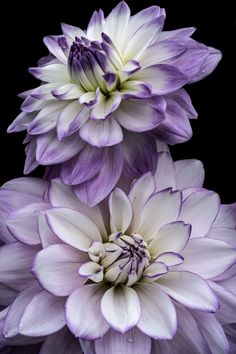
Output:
(21, 122)
(200, 253)
(182, 98)
(97, 188)
(137, 116)
(74, 228)
(52, 43)
(105, 105)
(72, 117)
(56, 268)
(140, 154)
(163, 78)
(52, 151)
(51, 73)
(200, 210)
(135, 89)
(68, 92)
(95, 26)
(83, 313)
(30, 161)
(190, 290)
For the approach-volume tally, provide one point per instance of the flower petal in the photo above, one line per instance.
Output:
(139, 116)
(200, 210)
(160, 209)
(15, 263)
(101, 133)
(223, 234)
(226, 216)
(53, 46)
(140, 192)
(120, 210)
(190, 290)
(95, 190)
(162, 77)
(43, 315)
(83, 314)
(84, 166)
(105, 105)
(189, 173)
(22, 231)
(135, 89)
(200, 253)
(72, 117)
(154, 301)
(51, 73)
(133, 342)
(17, 308)
(56, 268)
(61, 342)
(121, 308)
(171, 237)
(68, 92)
(52, 151)
(73, 227)
(165, 172)
(212, 332)
(95, 26)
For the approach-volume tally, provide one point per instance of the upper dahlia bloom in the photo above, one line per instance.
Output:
(150, 270)
(104, 86)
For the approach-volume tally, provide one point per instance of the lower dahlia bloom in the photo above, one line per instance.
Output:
(104, 86)
(151, 270)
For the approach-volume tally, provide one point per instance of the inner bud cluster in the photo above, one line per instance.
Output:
(123, 259)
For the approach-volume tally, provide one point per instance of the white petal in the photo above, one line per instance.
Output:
(105, 105)
(170, 259)
(171, 237)
(207, 257)
(73, 227)
(165, 172)
(223, 234)
(68, 92)
(120, 210)
(189, 173)
(121, 308)
(56, 268)
(51, 73)
(200, 210)
(159, 210)
(83, 313)
(158, 316)
(190, 290)
(140, 192)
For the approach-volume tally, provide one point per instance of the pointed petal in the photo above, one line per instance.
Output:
(53, 46)
(200, 210)
(52, 151)
(120, 210)
(44, 315)
(83, 313)
(160, 209)
(190, 290)
(189, 173)
(101, 133)
(56, 268)
(162, 77)
(165, 172)
(154, 301)
(200, 252)
(121, 308)
(140, 192)
(73, 227)
(171, 237)
(226, 216)
(51, 73)
(95, 190)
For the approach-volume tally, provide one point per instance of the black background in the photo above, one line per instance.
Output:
(23, 26)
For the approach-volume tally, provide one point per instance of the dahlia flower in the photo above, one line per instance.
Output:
(149, 270)
(102, 87)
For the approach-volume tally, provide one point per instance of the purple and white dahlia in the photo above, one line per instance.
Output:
(104, 86)
(150, 270)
